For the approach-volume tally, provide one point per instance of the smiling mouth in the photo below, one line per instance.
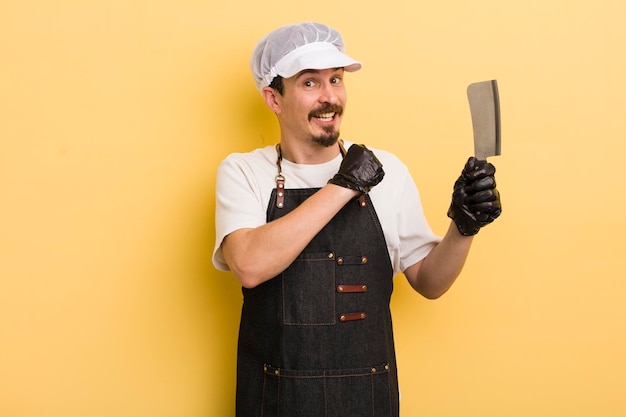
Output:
(327, 113)
(326, 117)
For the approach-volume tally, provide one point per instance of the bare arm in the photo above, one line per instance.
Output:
(475, 203)
(259, 254)
(435, 274)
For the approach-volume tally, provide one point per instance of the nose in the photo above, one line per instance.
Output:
(328, 94)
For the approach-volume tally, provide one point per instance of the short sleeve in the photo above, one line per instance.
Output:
(238, 202)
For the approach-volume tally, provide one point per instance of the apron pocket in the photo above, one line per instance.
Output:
(308, 290)
(331, 393)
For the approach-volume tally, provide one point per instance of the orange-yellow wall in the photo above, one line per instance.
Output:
(115, 114)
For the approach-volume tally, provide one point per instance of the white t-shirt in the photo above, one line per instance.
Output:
(245, 182)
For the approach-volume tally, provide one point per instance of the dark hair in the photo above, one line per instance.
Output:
(277, 84)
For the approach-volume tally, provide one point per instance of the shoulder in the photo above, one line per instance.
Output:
(253, 170)
(260, 156)
(251, 163)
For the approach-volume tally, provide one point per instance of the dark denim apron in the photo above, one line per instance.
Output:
(317, 340)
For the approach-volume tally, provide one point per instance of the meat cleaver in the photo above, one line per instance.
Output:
(484, 104)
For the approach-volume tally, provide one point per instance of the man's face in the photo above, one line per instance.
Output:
(312, 105)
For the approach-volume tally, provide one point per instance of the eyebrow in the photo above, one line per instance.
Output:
(315, 71)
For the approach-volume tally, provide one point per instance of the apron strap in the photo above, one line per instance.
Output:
(280, 178)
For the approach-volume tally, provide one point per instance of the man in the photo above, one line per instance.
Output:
(315, 230)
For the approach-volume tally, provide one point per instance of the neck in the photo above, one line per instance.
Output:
(312, 154)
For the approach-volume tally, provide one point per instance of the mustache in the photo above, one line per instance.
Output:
(326, 108)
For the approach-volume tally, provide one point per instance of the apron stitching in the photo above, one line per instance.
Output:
(373, 397)
(325, 397)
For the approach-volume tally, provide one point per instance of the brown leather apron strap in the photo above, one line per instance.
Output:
(352, 316)
(351, 288)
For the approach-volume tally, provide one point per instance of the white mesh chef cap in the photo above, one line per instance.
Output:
(290, 49)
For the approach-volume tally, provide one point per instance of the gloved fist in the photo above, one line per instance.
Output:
(475, 200)
(360, 170)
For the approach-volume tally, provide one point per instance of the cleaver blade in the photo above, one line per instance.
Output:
(484, 102)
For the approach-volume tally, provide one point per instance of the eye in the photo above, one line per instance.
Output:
(335, 80)
(309, 83)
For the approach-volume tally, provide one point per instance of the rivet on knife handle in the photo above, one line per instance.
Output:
(484, 104)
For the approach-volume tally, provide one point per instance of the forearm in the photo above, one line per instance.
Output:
(436, 273)
(475, 204)
(259, 254)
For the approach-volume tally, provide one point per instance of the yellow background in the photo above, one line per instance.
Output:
(115, 114)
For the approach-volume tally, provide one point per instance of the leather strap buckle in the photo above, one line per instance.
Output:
(280, 191)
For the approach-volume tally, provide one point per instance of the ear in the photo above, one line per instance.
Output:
(272, 99)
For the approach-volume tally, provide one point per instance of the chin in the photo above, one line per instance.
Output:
(327, 140)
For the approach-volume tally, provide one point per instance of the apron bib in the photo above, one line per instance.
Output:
(317, 340)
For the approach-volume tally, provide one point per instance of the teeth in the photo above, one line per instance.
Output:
(326, 116)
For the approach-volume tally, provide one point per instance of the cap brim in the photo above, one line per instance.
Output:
(315, 56)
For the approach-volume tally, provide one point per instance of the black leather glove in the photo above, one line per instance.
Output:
(360, 170)
(475, 200)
